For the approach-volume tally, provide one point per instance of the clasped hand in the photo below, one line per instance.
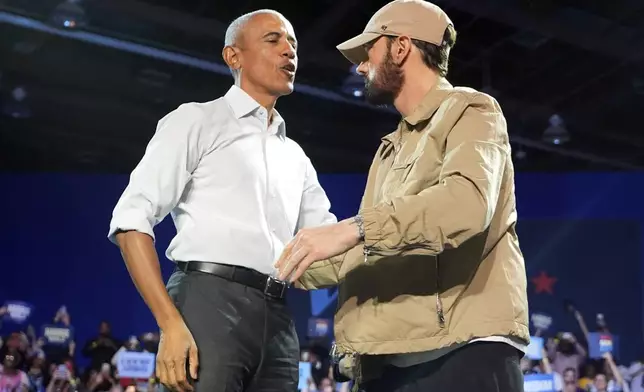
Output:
(315, 244)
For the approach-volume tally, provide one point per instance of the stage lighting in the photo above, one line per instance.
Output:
(69, 14)
(16, 106)
(353, 84)
(556, 133)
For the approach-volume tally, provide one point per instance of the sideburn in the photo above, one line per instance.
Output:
(388, 81)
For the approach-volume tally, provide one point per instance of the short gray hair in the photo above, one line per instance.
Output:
(237, 25)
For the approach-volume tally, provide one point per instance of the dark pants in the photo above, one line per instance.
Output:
(476, 367)
(246, 341)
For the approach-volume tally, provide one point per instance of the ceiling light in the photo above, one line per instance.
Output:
(556, 133)
(69, 14)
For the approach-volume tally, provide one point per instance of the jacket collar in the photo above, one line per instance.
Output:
(425, 110)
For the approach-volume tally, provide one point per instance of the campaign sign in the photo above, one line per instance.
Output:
(541, 321)
(132, 364)
(18, 311)
(535, 348)
(319, 328)
(57, 335)
(305, 375)
(538, 383)
(601, 343)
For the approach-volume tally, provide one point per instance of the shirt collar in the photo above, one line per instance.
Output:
(243, 104)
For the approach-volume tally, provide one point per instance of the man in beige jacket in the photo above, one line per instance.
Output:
(432, 284)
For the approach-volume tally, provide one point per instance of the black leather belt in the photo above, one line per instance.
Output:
(270, 286)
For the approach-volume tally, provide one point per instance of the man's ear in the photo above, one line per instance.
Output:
(231, 57)
(401, 49)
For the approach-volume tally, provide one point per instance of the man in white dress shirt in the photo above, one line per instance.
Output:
(238, 190)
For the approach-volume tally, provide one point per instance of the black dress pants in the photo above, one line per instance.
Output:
(476, 367)
(246, 340)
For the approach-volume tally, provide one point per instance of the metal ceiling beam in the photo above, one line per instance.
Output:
(531, 112)
(175, 19)
(583, 156)
(216, 30)
(569, 25)
(509, 105)
(165, 55)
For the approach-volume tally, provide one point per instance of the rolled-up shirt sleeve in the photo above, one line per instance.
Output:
(158, 181)
(315, 206)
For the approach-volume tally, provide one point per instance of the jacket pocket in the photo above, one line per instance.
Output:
(395, 182)
(400, 171)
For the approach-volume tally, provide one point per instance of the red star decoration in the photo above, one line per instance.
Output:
(543, 283)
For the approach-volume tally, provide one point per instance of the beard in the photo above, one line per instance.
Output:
(386, 83)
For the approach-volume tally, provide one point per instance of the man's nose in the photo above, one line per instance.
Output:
(362, 68)
(289, 51)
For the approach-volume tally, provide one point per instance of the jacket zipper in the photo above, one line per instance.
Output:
(439, 302)
(440, 313)
(366, 251)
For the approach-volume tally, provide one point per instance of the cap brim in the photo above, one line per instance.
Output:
(353, 49)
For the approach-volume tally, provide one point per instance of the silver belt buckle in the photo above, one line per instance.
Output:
(275, 288)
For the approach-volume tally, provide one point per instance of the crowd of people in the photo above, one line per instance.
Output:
(49, 361)
(567, 360)
(31, 363)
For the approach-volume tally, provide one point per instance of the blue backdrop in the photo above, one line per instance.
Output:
(581, 234)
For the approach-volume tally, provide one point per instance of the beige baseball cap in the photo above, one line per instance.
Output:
(416, 19)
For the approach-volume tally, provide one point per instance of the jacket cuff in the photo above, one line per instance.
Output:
(374, 232)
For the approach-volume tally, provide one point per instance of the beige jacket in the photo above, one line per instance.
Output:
(441, 262)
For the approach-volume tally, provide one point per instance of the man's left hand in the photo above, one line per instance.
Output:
(315, 244)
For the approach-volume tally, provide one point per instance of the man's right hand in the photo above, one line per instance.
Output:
(175, 347)
(176, 343)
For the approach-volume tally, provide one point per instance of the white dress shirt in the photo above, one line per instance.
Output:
(237, 188)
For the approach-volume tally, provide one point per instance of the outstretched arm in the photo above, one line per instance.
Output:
(442, 216)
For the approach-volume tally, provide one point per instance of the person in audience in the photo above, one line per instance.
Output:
(600, 384)
(101, 348)
(326, 385)
(37, 373)
(16, 342)
(635, 377)
(238, 189)
(103, 380)
(64, 379)
(570, 380)
(12, 379)
(566, 353)
(528, 366)
(55, 352)
(589, 372)
(132, 345)
(150, 342)
(432, 280)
